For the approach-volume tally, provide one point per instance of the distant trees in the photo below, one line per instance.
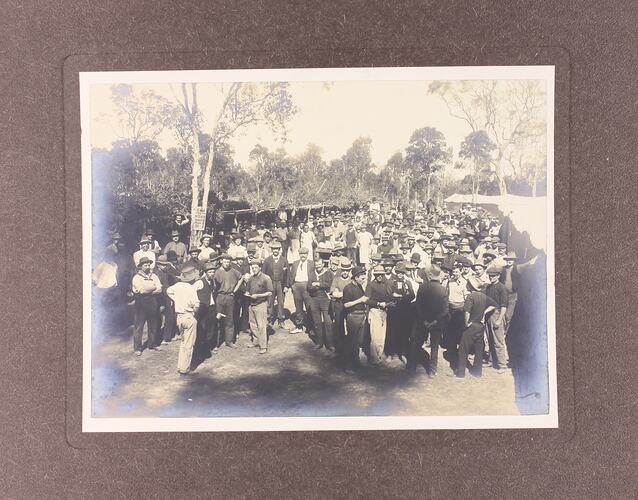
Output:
(426, 154)
(476, 149)
(510, 112)
(240, 105)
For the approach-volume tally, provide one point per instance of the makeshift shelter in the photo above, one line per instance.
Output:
(525, 229)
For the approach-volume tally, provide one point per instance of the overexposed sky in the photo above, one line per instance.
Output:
(330, 115)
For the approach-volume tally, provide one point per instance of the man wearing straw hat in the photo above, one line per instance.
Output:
(187, 303)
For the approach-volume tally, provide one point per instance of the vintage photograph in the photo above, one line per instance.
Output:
(318, 249)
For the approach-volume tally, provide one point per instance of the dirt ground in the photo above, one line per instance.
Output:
(292, 379)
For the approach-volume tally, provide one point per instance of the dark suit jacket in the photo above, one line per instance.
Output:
(277, 271)
(293, 271)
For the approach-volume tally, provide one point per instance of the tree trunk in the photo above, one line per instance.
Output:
(195, 185)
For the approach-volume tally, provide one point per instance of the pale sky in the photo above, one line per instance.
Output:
(330, 116)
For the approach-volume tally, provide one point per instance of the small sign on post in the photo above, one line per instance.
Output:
(199, 219)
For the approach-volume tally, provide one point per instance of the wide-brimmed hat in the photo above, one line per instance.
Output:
(174, 233)
(303, 250)
(144, 260)
(511, 255)
(378, 270)
(494, 270)
(225, 256)
(345, 264)
(400, 268)
(275, 244)
(204, 236)
(162, 260)
(358, 271)
(145, 241)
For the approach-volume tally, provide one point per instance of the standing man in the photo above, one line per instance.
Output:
(508, 278)
(184, 296)
(308, 241)
(339, 283)
(281, 233)
(146, 288)
(356, 314)
(176, 246)
(476, 306)
(351, 242)
(319, 282)
(365, 245)
(168, 276)
(496, 322)
(298, 283)
(379, 294)
(227, 282)
(181, 224)
(276, 268)
(258, 291)
(207, 333)
(431, 312)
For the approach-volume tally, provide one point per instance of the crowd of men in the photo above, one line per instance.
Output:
(393, 285)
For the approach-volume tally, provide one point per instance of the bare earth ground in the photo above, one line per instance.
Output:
(292, 379)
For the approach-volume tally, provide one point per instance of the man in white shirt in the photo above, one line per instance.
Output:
(205, 248)
(184, 295)
(146, 288)
(144, 251)
(308, 240)
(298, 283)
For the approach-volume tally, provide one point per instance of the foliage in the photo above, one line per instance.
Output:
(427, 154)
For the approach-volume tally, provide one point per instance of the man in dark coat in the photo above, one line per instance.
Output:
(276, 268)
(431, 311)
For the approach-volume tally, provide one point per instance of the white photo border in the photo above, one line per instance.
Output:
(92, 424)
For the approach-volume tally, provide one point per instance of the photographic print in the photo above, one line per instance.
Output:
(318, 249)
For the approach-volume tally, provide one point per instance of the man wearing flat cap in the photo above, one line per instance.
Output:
(207, 333)
(495, 324)
(176, 246)
(227, 281)
(258, 291)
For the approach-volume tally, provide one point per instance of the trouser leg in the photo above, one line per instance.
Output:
(153, 321)
(415, 353)
(226, 306)
(139, 318)
(328, 328)
(315, 312)
(353, 338)
(468, 339)
(169, 319)
(435, 339)
(187, 325)
(378, 322)
(497, 332)
(479, 346)
(279, 292)
(338, 328)
(298, 292)
(258, 315)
